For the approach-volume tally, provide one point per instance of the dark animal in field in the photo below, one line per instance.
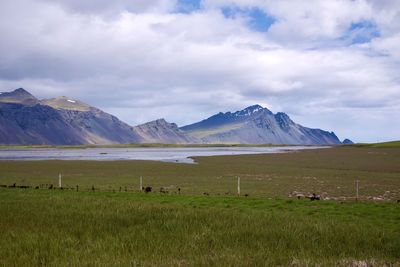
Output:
(51, 186)
(206, 194)
(246, 195)
(179, 190)
(13, 186)
(37, 187)
(3, 185)
(147, 189)
(23, 186)
(315, 197)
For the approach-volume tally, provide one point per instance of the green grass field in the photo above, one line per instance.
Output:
(41, 227)
(65, 228)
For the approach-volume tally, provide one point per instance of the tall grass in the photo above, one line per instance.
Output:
(60, 228)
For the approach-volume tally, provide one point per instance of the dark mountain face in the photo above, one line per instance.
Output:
(60, 121)
(257, 125)
(284, 122)
(36, 125)
(227, 118)
(98, 127)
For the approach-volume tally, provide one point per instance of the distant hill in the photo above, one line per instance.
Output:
(257, 125)
(347, 142)
(160, 131)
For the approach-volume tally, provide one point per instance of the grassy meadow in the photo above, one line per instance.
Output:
(41, 227)
(331, 172)
(390, 144)
(66, 228)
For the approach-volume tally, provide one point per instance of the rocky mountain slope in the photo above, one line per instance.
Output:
(160, 131)
(59, 121)
(257, 125)
(18, 96)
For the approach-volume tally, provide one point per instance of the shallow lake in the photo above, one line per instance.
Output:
(179, 155)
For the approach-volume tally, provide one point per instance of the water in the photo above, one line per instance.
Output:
(179, 155)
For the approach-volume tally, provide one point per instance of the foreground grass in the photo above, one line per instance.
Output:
(64, 228)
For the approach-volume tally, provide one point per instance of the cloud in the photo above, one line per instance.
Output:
(184, 61)
(110, 8)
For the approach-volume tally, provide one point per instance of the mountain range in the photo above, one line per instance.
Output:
(26, 120)
(257, 125)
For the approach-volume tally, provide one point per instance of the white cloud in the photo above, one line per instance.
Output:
(109, 8)
(306, 22)
(140, 61)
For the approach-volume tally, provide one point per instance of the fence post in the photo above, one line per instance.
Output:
(141, 184)
(357, 190)
(238, 186)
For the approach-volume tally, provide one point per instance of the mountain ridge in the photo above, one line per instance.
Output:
(18, 96)
(24, 119)
(257, 125)
(67, 103)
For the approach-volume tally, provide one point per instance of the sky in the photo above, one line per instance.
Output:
(329, 64)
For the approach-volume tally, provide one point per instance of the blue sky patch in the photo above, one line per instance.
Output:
(188, 6)
(362, 32)
(256, 18)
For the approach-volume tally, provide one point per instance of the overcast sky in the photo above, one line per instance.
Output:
(330, 64)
